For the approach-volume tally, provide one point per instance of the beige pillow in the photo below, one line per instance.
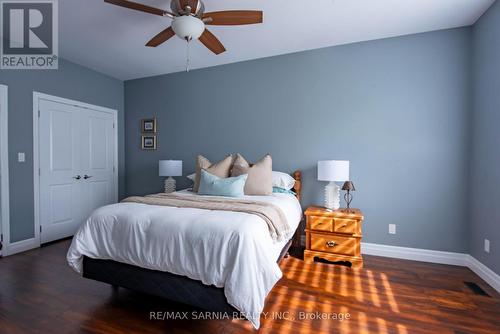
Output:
(260, 175)
(220, 169)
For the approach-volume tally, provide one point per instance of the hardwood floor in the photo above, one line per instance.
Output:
(39, 293)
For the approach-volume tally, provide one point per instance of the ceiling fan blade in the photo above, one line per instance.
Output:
(191, 3)
(234, 17)
(162, 37)
(138, 6)
(211, 42)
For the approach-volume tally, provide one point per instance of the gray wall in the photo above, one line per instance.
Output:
(70, 81)
(397, 108)
(485, 158)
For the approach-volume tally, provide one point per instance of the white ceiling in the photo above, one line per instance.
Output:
(111, 39)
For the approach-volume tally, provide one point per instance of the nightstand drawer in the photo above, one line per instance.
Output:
(348, 226)
(320, 223)
(333, 244)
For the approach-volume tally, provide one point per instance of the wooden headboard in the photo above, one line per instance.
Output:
(297, 188)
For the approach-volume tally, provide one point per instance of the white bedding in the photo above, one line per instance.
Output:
(227, 249)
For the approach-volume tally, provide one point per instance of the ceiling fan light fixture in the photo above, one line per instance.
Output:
(188, 27)
(189, 19)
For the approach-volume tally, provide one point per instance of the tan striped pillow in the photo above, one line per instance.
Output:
(260, 175)
(220, 169)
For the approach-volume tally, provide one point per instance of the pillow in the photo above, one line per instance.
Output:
(283, 180)
(192, 177)
(260, 175)
(217, 186)
(278, 190)
(220, 169)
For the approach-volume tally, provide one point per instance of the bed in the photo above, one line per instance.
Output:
(209, 259)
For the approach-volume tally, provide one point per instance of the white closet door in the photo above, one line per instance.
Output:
(60, 173)
(98, 160)
(77, 150)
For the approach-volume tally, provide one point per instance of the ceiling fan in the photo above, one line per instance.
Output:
(189, 20)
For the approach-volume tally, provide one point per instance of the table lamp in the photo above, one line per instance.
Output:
(170, 168)
(333, 171)
(348, 186)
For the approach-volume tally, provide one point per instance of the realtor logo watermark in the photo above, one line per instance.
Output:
(29, 31)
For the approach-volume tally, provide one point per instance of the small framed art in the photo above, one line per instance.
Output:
(148, 125)
(148, 142)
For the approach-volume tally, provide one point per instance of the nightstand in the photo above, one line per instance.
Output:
(334, 235)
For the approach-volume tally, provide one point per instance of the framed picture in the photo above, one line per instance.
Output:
(148, 125)
(148, 142)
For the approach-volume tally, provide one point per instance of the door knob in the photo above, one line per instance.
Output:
(86, 177)
(78, 177)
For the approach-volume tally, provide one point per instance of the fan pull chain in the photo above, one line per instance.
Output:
(188, 60)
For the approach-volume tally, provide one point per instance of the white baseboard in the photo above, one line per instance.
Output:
(415, 254)
(488, 275)
(21, 246)
(432, 256)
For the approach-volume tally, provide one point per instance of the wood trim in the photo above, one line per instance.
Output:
(356, 261)
(340, 213)
(297, 188)
(327, 233)
(4, 168)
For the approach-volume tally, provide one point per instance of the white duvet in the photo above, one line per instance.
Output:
(227, 249)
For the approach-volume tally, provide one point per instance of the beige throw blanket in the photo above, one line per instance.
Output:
(275, 219)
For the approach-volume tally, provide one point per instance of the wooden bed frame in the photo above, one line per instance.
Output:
(173, 287)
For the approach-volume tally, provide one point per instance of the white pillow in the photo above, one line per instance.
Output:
(283, 180)
(192, 177)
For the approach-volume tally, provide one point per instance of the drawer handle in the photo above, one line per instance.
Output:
(331, 243)
(343, 226)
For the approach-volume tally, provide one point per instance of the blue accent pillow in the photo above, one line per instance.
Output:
(217, 186)
(283, 191)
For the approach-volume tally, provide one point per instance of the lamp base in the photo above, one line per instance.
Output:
(170, 185)
(332, 196)
(348, 199)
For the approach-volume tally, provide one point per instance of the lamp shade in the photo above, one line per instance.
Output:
(333, 170)
(348, 185)
(170, 168)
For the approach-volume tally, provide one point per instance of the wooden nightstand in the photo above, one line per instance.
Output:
(334, 235)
